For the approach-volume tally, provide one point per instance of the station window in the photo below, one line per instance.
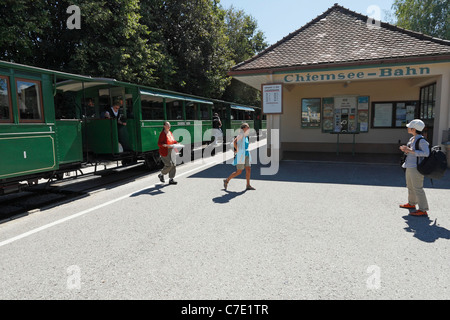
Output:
(152, 108)
(29, 100)
(5, 100)
(427, 102)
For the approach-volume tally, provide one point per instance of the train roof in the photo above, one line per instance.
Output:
(75, 82)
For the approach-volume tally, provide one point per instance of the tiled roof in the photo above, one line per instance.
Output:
(341, 36)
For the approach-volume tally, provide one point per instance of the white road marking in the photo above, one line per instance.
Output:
(79, 214)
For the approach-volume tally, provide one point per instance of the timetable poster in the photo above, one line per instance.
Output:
(345, 113)
(328, 114)
(272, 96)
(363, 114)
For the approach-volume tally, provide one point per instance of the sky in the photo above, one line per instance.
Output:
(278, 18)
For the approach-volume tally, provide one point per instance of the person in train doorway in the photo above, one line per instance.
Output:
(414, 179)
(114, 112)
(217, 128)
(167, 153)
(242, 158)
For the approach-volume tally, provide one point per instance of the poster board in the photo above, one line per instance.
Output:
(345, 114)
(363, 114)
(272, 98)
(311, 113)
(382, 115)
(327, 115)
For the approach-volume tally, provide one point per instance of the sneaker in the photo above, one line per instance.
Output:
(419, 213)
(250, 188)
(407, 206)
(171, 181)
(161, 178)
(225, 184)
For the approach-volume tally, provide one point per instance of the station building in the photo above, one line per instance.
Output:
(345, 81)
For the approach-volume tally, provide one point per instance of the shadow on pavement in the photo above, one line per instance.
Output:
(320, 172)
(423, 230)
(228, 196)
(153, 191)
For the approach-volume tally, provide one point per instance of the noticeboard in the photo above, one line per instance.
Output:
(272, 98)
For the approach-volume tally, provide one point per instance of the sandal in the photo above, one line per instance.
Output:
(225, 184)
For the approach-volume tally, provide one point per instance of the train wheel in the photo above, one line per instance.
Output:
(153, 162)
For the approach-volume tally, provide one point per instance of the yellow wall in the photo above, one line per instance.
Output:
(294, 138)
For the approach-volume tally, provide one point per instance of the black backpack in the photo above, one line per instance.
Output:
(434, 165)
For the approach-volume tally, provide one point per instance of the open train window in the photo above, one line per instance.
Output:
(152, 108)
(191, 111)
(29, 100)
(174, 109)
(204, 112)
(5, 100)
(66, 105)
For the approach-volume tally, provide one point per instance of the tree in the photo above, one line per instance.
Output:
(193, 41)
(111, 42)
(245, 41)
(114, 43)
(430, 17)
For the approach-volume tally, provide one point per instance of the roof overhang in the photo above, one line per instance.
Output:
(257, 77)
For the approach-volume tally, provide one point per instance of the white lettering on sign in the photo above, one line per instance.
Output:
(353, 75)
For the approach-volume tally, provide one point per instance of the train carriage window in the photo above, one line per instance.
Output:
(191, 111)
(66, 105)
(204, 112)
(104, 101)
(29, 100)
(152, 108)
(5, 100)
(174, 110)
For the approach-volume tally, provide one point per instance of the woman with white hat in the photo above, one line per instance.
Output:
(414, 179)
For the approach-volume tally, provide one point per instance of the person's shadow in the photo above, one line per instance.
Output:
(229, 195)
(424, 230)
(154, 191)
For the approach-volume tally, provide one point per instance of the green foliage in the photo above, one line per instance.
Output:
(430, 17)
(182, 45)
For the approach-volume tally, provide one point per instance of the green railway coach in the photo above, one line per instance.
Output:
(53, 122)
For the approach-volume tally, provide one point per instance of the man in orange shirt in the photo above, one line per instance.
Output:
(167, 153)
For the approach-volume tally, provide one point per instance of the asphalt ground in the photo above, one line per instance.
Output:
(314, 230)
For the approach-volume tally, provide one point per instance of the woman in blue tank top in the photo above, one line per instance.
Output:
(242, 157)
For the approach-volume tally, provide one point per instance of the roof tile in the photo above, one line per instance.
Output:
(340, 35)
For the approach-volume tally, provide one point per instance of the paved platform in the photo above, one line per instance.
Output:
(366, 158)
(327, 230)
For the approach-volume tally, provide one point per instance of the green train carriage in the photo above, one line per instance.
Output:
(51, 122)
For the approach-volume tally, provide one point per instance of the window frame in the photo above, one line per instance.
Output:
(425, 103)
(39, 84)
(11, 118)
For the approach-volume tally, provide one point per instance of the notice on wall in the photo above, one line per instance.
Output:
(272, 98)
(345, 106)
(382, 115)
(363, 114)
(328, 114)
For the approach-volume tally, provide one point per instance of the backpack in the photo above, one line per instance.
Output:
(216, 122)
(434, 165)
